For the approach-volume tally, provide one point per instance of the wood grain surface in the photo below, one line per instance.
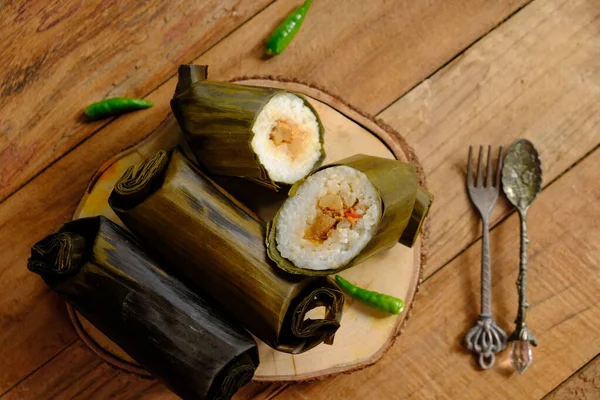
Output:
(79, 373)
(534, 76)
(583, 385)
(60, 55)
(81, 56)
(367, 52)
(26, 217)
(51, 197)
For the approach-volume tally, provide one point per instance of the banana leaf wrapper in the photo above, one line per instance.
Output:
(217, 246)
(217, 119)
(404, 207)
(103, 272)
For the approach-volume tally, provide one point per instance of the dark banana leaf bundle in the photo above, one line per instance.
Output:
(102, 271)
(213, 243)
(219, 121)
(404, 206)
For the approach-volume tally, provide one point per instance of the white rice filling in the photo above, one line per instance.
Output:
(297, 231)
(286, 138)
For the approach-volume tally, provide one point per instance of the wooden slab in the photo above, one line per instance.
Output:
(365, 334)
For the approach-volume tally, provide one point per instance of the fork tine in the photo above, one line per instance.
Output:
(479, 179)
(489, 173)
(470, 167)
(499, 169)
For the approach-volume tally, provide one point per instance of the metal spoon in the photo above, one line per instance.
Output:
(521, 182)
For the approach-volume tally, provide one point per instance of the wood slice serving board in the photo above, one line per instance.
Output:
(365, 333)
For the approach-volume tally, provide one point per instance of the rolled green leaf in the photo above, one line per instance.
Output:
(346, 212)
(267, 135)
(104, 273)
(217, 246)
(423, 202)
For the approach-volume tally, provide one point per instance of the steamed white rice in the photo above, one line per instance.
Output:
(296, 222)
(287, 162)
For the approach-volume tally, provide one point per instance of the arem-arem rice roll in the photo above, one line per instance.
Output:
(346, 212)
(267, 135)
(176, 334)
(212, 242)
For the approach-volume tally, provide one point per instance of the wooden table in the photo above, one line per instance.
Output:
(445, 74)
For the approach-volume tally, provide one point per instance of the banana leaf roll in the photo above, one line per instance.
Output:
(213, 243)
(346, 212)
(267, 135)
(104, 273)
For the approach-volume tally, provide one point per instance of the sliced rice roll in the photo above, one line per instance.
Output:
(267, 135)
(346, 212)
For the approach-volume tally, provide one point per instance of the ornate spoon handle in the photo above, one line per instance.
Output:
(521, 354)
(521, 320)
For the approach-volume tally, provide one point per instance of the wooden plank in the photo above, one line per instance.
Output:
(429, 361)
(532, 77)
(82, 376)
(61, 55)
(46, 81)
(584, 385)
(78, 373)
(366, 52)
(33, 321)
(49, 199)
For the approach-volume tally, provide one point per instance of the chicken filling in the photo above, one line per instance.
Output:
(333, 210)
(290, 138)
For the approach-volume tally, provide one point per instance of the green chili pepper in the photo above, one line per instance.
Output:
(115, 106)
(377, 300)
(284, 33)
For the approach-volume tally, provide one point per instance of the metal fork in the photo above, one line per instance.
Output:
(485, 338)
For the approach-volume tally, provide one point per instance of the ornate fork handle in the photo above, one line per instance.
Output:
(485, 339)
(486, 269)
